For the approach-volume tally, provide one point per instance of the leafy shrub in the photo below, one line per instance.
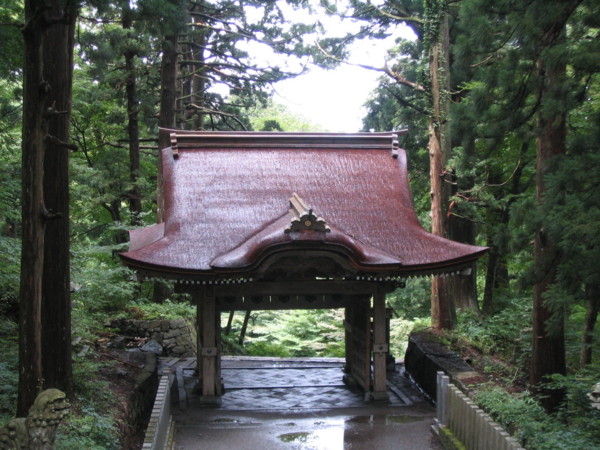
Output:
(577, 411)
(293, 333)
(412, 301)
(264, 348)
(177, 308)
(499, 333)
(525, 419)
(104, 283)
(8, 369)
(400, 329)
(88, 429)
(10, 254)
(231, 346)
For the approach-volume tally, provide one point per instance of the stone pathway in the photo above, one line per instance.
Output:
(300, 404)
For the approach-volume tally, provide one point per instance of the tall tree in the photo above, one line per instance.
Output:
(56, 283)
(220, 78)
(133, 132)
(534, 68)
(32, 216)
(119, 35)
(40, 16)
(437, 39)
(548, 355)
(429, 20)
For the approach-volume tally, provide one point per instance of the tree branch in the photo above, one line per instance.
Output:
(56, 141)
(385, 69)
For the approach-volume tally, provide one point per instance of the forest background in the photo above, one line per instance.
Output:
(501, 100)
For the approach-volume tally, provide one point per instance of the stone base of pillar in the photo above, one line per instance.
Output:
(210, 400)
(350, 381)
(379, 397)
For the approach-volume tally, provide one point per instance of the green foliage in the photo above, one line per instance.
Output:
(11, 39)
(276, 117)
(525, 419)
(175, 308)
(231, 345)
(577, 411)
(572, 208)
(501, 341)
(10, 253)
(8, 369)
(412, 301)
(264, 348)
(104, 283)
(410, 308)
(292, 333)
(91, 423)
(10, 168)
(505, 333)
(89, 429)
(400, 330)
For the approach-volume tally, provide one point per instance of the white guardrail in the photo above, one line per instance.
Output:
(159, 434)
(460, 424)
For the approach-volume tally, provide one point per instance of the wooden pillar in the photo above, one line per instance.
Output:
(380, 347)
(358, 342)
(219, 346)
(208, 350)
(348, 320)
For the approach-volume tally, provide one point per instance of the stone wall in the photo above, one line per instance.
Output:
(177, 336)
(142, 398)
(426, 356)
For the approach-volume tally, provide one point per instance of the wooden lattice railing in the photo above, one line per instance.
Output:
(460, 423)
(159, 434)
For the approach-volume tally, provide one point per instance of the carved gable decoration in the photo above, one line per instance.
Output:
(303, 217)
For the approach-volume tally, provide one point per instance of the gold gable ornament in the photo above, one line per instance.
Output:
(303, 217)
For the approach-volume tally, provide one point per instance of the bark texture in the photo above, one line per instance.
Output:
(133, 133)
(56, 292)
(35, 93)
(443, 313)
(548, 352)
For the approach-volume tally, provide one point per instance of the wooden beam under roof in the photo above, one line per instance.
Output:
(283, 287)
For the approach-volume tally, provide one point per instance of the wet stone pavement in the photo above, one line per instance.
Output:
(290, 403)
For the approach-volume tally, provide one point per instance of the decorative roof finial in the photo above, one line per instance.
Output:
(303, 217)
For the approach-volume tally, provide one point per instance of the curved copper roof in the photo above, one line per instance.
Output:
(227, 201)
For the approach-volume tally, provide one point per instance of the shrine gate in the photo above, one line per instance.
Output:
(256, 221)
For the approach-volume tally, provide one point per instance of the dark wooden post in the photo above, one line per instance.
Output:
(358, 341)
(208, 350)
(380, 347)
(348, 320)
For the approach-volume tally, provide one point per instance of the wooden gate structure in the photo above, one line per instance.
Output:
(286, 221)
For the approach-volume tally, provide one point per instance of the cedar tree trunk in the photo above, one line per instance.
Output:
(35, 92)
(548, 352)
(166, 119)
(135, 195)
(443, 314)
(56, 294)
(463, 287)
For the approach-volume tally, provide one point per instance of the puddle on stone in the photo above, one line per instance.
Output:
(295, 438)
(225, 420)
(403, 419)
(330, 437)
(384, 419)
(342, 433)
